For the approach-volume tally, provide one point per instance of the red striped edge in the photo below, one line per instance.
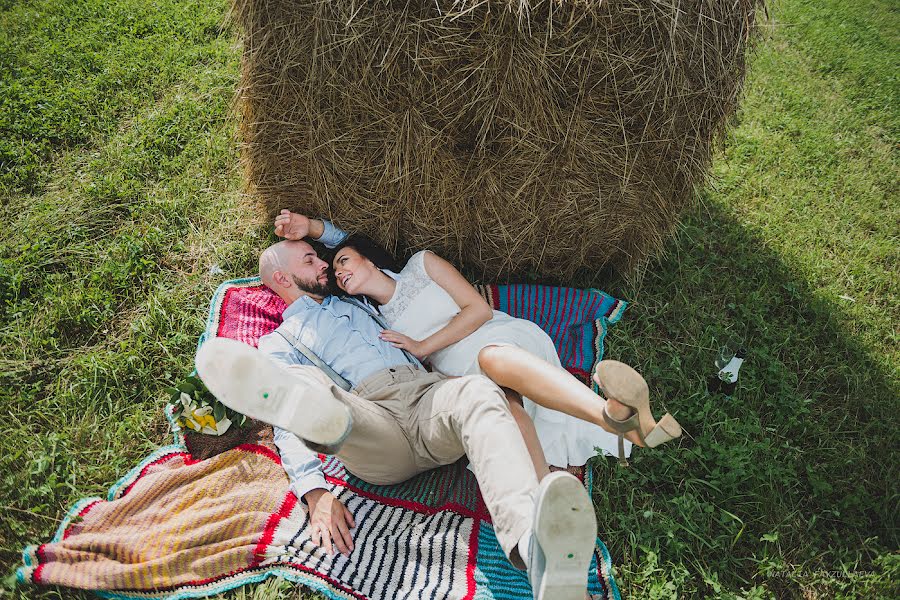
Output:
(482, 508)
(568, 296)
(186, 456)
(220, 311)
(80, 515)
(41, 551)
(580, 374)
(42, 559)
(408, 504)
(190, 460)
(472, 561)
(261, 451)
(543, 310)
(612, 308)
(287, 505)
(493, 296)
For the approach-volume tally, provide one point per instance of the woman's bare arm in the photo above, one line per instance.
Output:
(474, 311)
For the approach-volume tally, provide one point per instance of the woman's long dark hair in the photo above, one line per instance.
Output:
(368, 248)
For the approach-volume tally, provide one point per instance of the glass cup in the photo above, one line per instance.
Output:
(726, 352)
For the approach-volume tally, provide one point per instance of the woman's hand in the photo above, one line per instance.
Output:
(398, 340)
(291, 226)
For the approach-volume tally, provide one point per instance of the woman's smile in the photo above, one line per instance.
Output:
(348, 263)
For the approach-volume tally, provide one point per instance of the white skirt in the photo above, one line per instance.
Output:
(566, 440)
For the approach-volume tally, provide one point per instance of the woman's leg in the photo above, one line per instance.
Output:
(550, 386)
(529, 433)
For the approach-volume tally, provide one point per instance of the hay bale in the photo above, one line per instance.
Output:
(510, 138)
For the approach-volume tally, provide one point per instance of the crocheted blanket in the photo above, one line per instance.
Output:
(178, 526)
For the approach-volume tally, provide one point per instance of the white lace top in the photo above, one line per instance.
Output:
(419, 306)
(412, 283)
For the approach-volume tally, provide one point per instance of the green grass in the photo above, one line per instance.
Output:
(120, 188)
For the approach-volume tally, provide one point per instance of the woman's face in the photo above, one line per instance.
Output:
(352, 271)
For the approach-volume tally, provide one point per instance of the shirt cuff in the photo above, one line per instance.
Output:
(332, 235)
(315, 481)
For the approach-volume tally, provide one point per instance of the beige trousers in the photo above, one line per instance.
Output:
(406, 421)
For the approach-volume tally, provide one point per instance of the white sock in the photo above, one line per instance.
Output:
(524, 547)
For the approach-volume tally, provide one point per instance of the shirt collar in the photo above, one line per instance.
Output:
(302, 303)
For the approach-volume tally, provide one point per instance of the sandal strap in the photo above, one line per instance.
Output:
(629, 424)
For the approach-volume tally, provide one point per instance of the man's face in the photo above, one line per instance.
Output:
(309, 272)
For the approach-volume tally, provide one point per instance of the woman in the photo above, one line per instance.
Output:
(436, 315)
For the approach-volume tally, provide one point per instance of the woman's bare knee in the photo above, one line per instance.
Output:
(487, 358)
(494, 361)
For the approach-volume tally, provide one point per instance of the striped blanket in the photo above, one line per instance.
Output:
(179, 527)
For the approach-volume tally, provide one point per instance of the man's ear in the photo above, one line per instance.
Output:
(281, 280)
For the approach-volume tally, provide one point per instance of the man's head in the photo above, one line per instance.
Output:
(292, 269)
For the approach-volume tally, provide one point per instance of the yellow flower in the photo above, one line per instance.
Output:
(203, 418)
(190, 424)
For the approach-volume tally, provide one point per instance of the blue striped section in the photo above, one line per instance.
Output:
(571, 317)
(495, 577)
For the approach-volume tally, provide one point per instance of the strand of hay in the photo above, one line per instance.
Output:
(516, 138)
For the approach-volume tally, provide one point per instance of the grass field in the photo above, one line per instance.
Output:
(120, 189)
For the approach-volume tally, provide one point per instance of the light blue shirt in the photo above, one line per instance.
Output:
(343, 335)
(347, 339)
(333, 235)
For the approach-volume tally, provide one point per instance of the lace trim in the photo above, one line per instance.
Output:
(413, 279)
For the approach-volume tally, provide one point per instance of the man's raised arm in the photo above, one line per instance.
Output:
(294, 226)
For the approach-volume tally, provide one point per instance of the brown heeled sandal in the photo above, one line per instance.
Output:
(618, 381)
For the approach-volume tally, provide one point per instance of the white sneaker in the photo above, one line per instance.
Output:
(562, 540)
(251, 383)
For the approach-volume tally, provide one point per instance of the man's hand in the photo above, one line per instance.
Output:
(292, 226)
(329, 520)
(398, 340)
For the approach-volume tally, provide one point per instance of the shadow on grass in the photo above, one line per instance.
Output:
(796, 473)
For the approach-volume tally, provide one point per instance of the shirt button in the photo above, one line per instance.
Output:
(392, 370)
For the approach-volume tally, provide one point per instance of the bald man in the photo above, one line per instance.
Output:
(405, 420)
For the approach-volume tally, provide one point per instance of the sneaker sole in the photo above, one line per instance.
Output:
(246, 380)
(565, 526)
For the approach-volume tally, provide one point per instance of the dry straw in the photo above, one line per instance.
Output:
(512, 137)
